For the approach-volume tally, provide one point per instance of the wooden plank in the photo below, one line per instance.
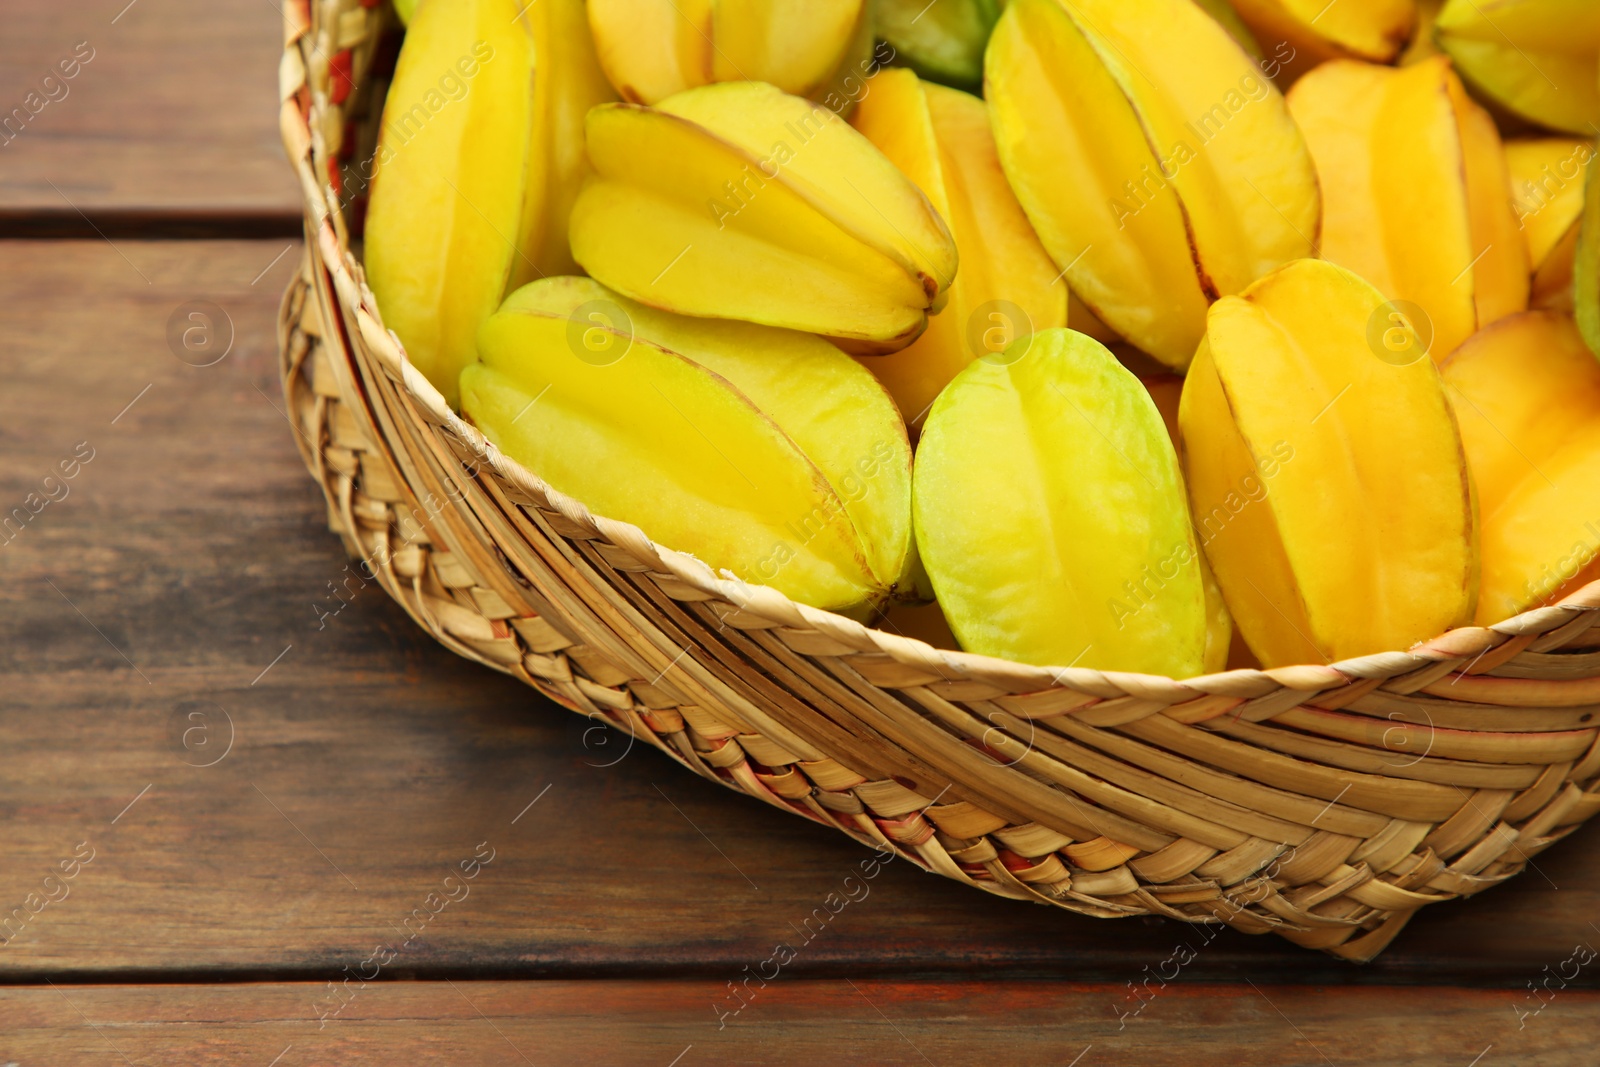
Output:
(177, 588)
(791, 1021)
(172, 110)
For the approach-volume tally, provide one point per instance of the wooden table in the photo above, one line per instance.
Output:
(259, 775)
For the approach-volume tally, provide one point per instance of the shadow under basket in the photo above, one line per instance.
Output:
(1324, 803)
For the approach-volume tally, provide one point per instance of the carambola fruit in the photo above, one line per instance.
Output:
(766, 453)
(738, 201)
(1326, 477)
(1007, 286)
(448, 192)
(652, 49)
(1547, 196)
(1373, 30)
(1586, 261)
(1158, 165)
(1526, 393)
(1414, 197)
(1538, 59)
(477, 163)
(941, 41)
(567, 82)
(1050, 515)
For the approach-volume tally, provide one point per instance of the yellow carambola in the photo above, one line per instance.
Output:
(1157, 163)
(1326, 473)
(652, 49)
(1317, 31)
(766, 453)
(477, 166)
(1050, 514)
(1547, 196)
(738, 201)
(1414, 197)
(568, 82)
(439, 229)
(1008, 286)
(1538, 59)
(1526, 393)
(1586, 261)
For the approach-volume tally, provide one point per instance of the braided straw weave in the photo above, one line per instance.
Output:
(1326, 803)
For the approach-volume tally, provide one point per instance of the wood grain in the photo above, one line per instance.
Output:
(173, 116)
(184, 574)
(174, 596)
(790, 1021)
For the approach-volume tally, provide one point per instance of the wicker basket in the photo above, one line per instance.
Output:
(1326, 803)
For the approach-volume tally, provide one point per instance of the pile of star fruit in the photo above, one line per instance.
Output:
(1123, 333)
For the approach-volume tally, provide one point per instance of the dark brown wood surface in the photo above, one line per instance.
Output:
(258, 770)
(790, 1021)
(172, 118)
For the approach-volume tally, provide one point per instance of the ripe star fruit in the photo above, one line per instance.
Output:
(652, 49)
(940, 139)
(566, 85)
(738, 201)
(1325, 473)
(1526, 393)
(1372, 30)
(1414, 183)
(1158, 165)
(1586, 261)
(1547, 196)
(1049, 513)
(766, 453)
(1538, 59)
(480, 153)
